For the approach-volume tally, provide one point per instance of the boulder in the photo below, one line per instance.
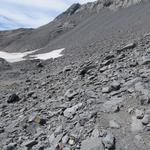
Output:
(70, 112)
(109, 141)
(13, 98)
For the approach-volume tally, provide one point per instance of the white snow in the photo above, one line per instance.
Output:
(45, 56)
(16, 57)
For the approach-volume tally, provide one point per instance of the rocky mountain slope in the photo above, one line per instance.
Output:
(95, 97)
(76, 18)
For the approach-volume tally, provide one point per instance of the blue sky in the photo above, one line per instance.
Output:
(31, 13)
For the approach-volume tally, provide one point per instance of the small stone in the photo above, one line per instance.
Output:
(30, 143)
(109, 141)
(106, 89)
(103, 69)
(107, 62)
(40, 65)
(2, 130)
(130, 90)
(144, 100)
(11, 146)
(35, 118)
(30, 93)
(102, 133)
(139, 114)
(85, 69)
(67, 68)
(86, 116)
(95, 133)
(71, 141)
(70, 94)
(128, 46)
(13, 98)
(70, 112)
(131, 110)
(110, 56)
(65, 139)
(115, 86)
(147, 127)
(113, 124)
(146, 119)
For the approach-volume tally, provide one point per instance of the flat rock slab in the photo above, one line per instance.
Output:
(112, 105)
(94, 143)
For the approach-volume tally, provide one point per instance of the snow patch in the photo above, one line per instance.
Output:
(45, 56)
(16, 57)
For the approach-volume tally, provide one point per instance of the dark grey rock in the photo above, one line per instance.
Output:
(67, 68)
(2, 130)
(11, 146)
(13, 98)
(139, 114)
(29, 143)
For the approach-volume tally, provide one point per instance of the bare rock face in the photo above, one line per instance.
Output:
(116, 4)
(100, 4)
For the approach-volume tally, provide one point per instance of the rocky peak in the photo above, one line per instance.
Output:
(116, 4)
(70, 11)
(98, 5)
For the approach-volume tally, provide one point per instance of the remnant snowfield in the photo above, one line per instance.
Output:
(16, 57)
(52, 54)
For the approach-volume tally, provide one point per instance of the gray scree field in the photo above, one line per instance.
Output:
(95, 97)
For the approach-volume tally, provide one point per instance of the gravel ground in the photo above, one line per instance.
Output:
(95, 97)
